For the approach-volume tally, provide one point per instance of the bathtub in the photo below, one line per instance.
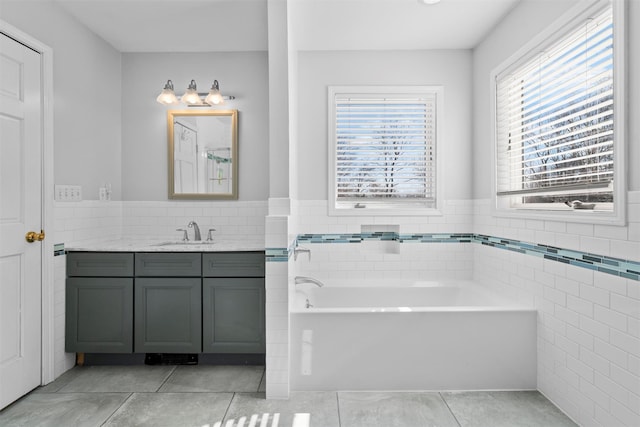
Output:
(412, 336)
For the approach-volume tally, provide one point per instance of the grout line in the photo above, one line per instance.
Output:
(449, 408)
(118, 408)
(338, 405)
(175, 367)
(264, 374)
(224, 417)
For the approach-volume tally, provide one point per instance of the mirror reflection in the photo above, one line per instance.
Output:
(203, 154)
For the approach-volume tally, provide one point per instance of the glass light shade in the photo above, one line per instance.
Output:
(167, 97)
(214, 97)
(191, 97)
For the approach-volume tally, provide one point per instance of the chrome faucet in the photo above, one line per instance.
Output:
(304, 279)
(196, 230)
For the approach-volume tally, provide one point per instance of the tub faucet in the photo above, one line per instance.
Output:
(304, 279)
(196, 230)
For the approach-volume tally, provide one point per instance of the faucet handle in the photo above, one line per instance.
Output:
(210, 236)
(185, 235)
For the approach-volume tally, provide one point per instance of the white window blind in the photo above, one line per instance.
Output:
(554, 120)
(385, 148)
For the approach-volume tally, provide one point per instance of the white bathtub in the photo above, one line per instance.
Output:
(419, 336)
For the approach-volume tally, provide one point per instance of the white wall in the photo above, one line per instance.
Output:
(318, 70)
(588, 322)
(144, 121)
(87, 95)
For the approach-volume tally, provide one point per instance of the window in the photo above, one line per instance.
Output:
(383, 149)
(555, 118)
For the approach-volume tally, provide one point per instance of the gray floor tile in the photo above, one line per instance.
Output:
(505, 408)
(139, 378)
(171, 409)
(393, 409)
(207, 378)
(59, 382)
(62, 409)
(322, 406)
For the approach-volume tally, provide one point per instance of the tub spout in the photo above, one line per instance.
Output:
(303, 279)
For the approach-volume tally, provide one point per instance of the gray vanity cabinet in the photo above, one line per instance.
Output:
(167, 303)
(99, 303)
(233, 303)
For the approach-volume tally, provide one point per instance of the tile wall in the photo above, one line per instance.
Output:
(589, 321)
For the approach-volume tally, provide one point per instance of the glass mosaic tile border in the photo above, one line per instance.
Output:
(628, 269)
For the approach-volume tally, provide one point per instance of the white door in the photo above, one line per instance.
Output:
(20, 212)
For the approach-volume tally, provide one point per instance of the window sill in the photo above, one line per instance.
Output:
(588, 216)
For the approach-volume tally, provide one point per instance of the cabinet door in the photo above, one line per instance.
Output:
(99, 315)
(233, 315)
(168, 315)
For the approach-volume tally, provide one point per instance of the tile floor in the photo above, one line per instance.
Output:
(197, 396)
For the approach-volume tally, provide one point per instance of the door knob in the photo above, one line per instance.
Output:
(32, 236)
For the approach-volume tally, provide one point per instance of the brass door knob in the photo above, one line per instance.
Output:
(32, 236)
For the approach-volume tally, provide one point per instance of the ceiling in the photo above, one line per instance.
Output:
(241, 25)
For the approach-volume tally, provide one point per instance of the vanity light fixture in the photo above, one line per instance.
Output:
(192, 97)
(428, 1)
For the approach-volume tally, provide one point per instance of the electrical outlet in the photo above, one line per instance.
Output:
(68, 193)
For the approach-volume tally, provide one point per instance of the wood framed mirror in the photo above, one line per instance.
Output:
(203, 154)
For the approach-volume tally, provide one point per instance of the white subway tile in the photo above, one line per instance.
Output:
(580, 368)
(611, 353)
(597, 329)
(569, 347)
(633, 327)
(594, 393)
(568, 316)
(625, 250)
(625, 342)
(597, 362)
(610, 317)
(580, 229)
(567, 285)
(580, 305)
(595, 245)
(610, 232)
(610, 283)
(614, 390)
(625, 378)
(628, 306)
(596, 295)
(555, 295)
(634, 364)
(624, 414)
(581, 337)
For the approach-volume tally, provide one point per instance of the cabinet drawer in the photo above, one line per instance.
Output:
(174, 264)
(102, 264)
(233, 264)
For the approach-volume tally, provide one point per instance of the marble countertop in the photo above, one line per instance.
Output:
(155, 245)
